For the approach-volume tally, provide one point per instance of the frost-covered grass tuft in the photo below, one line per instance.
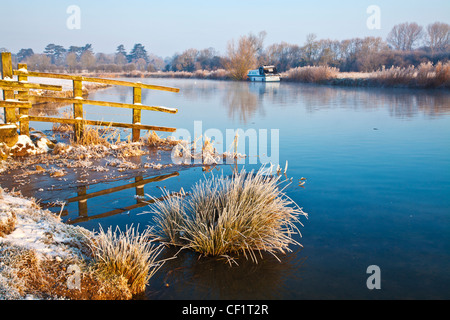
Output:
(223, 216)
(129, 254)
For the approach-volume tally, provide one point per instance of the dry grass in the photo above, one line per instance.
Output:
(7, 223)
(27, 275)
(153, 140)
(64, 127)
(120, 266)
(219, 74)
(311, 74)
(19, 269)
(93, 135)
(425, 75)
(126, 254)
(244, 214)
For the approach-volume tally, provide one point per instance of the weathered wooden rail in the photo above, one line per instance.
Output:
(23, 101)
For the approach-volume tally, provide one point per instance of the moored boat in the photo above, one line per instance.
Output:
(265, 74)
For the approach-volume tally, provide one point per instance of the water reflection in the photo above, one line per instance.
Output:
(241, 103)
(243, 100)
(82, 199)
(189, 275)
(401, 103)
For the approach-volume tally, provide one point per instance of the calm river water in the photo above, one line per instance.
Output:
(377, 164)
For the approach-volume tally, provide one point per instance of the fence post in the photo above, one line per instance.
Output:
(23, 96)
(7, 72)
(78, 109)
(136, 112)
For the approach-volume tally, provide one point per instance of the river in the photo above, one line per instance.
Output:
(377, 191)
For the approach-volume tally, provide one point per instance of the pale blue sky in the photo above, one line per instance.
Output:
(169, 26)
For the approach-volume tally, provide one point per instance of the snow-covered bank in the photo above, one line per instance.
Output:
(29, 239)
(43, 258)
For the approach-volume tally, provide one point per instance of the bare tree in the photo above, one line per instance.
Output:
(243, 56)
(71, 61)
(311, 48)
(284, 55)
(155, 62)
(405, 36)
(87, 60)
(438, 36)
(40, 62)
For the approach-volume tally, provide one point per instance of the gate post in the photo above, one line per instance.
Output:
(7, 72)
(78, 109)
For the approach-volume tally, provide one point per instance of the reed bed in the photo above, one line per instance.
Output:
(218, 74)
(425, 75)
(311, 74)
(226, 216)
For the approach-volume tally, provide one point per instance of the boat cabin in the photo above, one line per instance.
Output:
(264, 73)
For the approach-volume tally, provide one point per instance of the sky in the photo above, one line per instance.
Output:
(172, 26)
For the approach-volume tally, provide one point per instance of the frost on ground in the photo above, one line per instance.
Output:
(38, 254)
(28, 153)
(31, 239)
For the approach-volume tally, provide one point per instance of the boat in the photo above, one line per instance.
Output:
(264, 74)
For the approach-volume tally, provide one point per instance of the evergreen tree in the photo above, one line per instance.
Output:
(138, 52)
(56, 53)
(121, 50)
(23, 54)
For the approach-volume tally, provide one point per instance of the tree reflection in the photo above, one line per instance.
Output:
(243, 99)
(401, 103)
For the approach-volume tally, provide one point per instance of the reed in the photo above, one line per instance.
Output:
(97, 136)
(154, 140)
(311, 74)
(246, 213)
(425, 75)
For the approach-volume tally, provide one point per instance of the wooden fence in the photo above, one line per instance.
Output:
(23, 101)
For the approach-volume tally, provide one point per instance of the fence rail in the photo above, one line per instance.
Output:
(23, 101)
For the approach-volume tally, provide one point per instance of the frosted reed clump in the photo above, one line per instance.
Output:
(245, 213)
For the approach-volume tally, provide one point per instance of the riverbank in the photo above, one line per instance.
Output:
(426, 75)
(43, 258)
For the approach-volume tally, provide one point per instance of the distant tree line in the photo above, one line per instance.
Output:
(406, 44)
